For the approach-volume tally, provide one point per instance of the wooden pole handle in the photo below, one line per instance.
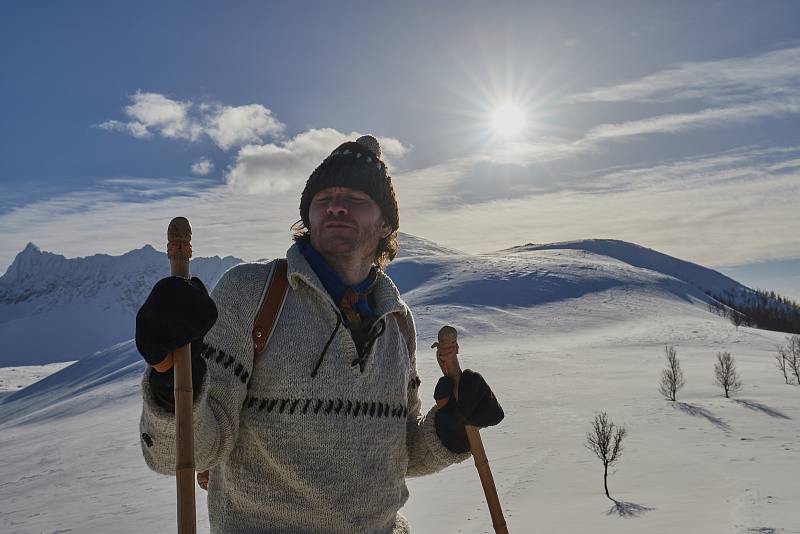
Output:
(179, 250)
(448, 337)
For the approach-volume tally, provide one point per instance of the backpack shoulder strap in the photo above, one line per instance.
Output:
(271, 305)
(406, 324)
(272, 300)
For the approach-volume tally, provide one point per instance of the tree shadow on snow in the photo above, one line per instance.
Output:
(761, 408)
(697, 411)
(627, 509)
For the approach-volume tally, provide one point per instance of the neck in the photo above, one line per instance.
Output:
(351, 268)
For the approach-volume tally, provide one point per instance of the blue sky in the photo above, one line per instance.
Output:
(672, 125)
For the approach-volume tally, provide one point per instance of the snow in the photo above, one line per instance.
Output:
(560, 333)
(15, 378)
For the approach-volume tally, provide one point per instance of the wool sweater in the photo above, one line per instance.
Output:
(290, 452)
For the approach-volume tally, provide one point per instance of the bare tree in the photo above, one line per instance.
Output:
(783, 362)
(605, 441)
(725, 373)
(672, 378)
(793, 356)
(737, 318)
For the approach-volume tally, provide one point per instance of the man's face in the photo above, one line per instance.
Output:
(346, 222)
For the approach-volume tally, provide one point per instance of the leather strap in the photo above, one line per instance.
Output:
(271, 305)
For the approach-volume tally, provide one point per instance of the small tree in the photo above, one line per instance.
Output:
(725, 373)
(793, 356)
(672, 378)
(783, 362)
(605, 441)
(737, 318)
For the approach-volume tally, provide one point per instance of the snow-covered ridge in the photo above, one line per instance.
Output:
(646, 258)
(417, 246)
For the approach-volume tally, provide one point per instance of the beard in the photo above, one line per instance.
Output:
(359, 240)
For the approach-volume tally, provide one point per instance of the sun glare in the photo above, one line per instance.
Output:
(508, 120)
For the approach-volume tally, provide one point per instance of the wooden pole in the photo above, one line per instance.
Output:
(448, 337)
(179, 250)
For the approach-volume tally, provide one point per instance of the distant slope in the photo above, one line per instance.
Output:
(70, 390)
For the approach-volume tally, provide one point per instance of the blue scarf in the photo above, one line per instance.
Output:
(351, 300)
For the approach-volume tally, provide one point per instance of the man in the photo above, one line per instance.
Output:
(319, 431)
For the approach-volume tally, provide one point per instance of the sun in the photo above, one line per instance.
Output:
(508, 120)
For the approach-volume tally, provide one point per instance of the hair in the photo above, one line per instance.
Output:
(386, 251)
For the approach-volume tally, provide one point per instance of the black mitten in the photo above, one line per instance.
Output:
(163, 384)
(444, 388)
(476, 406)
(176, 312)
(450, 427)
(476, 402)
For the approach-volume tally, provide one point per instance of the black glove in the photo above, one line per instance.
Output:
(163, 384)
(177, 312)
(476, 406)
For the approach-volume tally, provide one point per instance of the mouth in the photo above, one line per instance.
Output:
(337, 225)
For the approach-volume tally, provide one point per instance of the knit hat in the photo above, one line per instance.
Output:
(357, 165)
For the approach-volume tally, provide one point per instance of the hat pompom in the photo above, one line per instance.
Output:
(371, 143)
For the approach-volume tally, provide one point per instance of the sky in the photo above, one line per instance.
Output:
(674, 125)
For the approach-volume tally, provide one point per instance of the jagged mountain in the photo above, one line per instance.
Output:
(57, 309)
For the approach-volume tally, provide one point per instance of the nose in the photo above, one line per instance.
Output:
(336, 206)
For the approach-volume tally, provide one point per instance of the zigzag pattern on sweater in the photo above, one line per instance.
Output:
(345, 408)
(211, 354)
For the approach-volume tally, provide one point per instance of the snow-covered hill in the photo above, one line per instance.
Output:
(701, 277)
(559, 332)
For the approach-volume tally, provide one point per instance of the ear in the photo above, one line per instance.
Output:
(386, 230)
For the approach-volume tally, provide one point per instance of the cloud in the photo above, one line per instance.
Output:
(725, 208)
(168, 117)
(677, 122)
(236, 126)
(202, 167)
(551, 150)
(277, 167)
(154, 114)
(136, 129)
(772, 74)
(719, 209)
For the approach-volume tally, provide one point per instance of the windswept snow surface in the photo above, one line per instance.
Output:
(15, 378)
(559, 334)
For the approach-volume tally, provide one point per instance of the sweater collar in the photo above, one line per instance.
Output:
(329, 278)
(387, 297)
